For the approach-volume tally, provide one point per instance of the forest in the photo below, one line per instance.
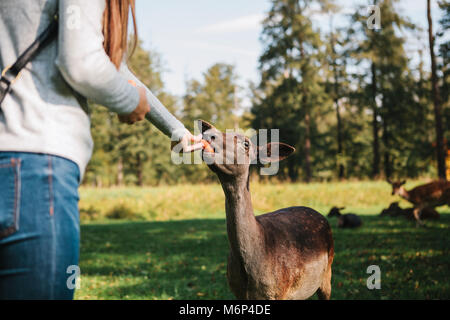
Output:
(355, 101)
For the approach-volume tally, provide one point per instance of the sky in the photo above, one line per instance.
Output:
(193, 35)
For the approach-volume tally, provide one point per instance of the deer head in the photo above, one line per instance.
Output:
(396, 186)
(335, 211)
(234, 152)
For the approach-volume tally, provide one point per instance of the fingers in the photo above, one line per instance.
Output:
(131, 118)
(193, 147)
(125, 119)
(197, 138)
(185, 143)
(187, 147)
(141, 110)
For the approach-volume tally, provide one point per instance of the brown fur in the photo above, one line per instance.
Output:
(285, 254)
(427, 196)
(290, 245)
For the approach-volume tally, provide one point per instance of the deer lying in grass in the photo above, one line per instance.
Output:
(430, 195)
(348, 220)
(394, 210)
(285, 254)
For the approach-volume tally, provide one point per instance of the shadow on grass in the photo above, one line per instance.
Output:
(187, 260)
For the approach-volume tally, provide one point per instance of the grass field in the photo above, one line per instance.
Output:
(171, 243)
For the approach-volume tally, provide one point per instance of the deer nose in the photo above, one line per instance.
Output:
(209, 137)
(209, 143)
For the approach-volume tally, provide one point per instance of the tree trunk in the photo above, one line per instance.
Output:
(339, 141)
(140, 177)
(308, 174)
(98, 181)
(307, 150)
(120, 172)
(338, 114)
(386, 141)
(292, 169)
(375, 143)
(440, 148)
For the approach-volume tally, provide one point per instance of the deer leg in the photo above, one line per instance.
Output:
(417, 212)
(324, 292)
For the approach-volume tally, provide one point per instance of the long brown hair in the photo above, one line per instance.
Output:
(115, 29)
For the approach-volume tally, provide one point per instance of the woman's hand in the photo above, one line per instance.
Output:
(186, 145)
(141, 110)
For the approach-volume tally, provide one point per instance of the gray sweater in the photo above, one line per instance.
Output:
(47, 112)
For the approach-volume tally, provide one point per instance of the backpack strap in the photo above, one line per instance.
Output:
(11, 74)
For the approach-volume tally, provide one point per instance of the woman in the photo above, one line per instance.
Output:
(45, 140)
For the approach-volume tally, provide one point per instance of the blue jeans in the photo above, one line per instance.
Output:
(39, 226)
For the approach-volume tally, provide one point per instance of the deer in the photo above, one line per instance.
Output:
(348, 220)
(281, 255)
(430, 195)
(394, 210)
(426, 214)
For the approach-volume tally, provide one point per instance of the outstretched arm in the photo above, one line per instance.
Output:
(163, 119)
(158, 115)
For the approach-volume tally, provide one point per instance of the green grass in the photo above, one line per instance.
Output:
(173, 244)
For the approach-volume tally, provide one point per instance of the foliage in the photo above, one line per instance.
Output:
(292, 96)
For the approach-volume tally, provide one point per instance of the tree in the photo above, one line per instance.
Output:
(391, 104)
(444, 51)
(336, 81)
(214, 99)
(440, 147)
(290, 79)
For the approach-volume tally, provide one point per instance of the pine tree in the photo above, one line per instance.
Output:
(440, 147)
(290, 79)
(391, 93)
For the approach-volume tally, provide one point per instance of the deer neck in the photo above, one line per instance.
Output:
(402, 192)
(244, 235)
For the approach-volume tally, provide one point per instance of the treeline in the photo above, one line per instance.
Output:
(354, 101)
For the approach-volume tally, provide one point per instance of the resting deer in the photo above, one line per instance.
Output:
(285, 254)
(430, 195)
(348, 220)
(395, 210)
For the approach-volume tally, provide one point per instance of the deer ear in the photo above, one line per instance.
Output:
(274, 151)
(204, 126)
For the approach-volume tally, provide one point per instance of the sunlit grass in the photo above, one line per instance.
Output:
(207, 201)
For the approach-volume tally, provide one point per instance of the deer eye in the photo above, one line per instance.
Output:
(246, 144)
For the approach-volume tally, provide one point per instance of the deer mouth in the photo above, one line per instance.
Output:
(208, 145)
(207, 155)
